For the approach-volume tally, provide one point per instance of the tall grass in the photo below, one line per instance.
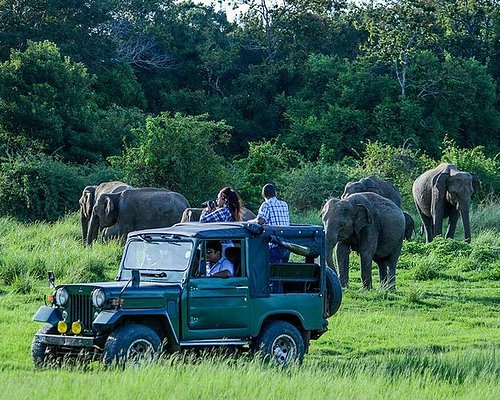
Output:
(437, 336)
(471, 374)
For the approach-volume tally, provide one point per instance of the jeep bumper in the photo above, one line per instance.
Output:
(71, 341)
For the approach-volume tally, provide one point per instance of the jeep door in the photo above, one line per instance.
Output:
(218, 307)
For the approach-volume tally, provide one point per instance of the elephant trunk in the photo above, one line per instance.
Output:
(85, 226)
(93, 230)
(464, 211)
(331, 241)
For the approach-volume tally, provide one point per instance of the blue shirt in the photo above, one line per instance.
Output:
(222, 214)
(274, 212)
(222, 265)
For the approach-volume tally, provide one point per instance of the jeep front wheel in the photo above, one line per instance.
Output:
(42, 354)
(280, 342)
(131, 345)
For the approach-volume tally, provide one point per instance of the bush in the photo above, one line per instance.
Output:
(308, 186)
(267, 162)
(398, 165)
(39, 187)
(475, 161)
(178, 153)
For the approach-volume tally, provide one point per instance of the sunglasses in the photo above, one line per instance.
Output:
(210, 251)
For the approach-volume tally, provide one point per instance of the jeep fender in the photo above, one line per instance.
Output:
(289, 315)
(47, 314)
(107, 320)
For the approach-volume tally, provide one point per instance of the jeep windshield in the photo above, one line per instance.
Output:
(165, 260)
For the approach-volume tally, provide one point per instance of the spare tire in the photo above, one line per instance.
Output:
(333, 292)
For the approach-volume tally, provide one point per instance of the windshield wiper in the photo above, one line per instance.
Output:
(155, 274)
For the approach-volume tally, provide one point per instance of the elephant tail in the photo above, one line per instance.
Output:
(409, 226)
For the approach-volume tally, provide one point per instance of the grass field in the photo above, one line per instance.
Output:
(436, 337)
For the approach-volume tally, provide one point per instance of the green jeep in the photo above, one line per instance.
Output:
(162, 300)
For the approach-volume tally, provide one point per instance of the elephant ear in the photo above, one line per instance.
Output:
(476, 183)
(439, 187)
(362, 217)
(326, 207)
(87, 201)
(109, 205)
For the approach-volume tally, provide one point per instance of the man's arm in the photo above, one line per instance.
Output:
(222, 274)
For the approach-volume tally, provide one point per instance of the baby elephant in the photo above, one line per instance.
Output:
(372, 226)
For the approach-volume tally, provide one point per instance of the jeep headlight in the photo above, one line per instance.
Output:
(61, 296)
(98, 298)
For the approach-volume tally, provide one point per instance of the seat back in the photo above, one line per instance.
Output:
(233, 254)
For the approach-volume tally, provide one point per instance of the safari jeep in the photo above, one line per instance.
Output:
(162, 300)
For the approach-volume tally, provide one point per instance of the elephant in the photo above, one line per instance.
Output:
(88, 199)
(193, 214)
(135, 209)
(373, 184)
(444, 192)
(386, 189)
(372, 226)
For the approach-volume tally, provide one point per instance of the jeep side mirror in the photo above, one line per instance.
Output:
(52, 279)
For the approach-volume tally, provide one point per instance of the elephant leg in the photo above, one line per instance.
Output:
(342, 255)
(366, 270)
(382, 272)
(427, 221)
(391, 263)
(452, 223)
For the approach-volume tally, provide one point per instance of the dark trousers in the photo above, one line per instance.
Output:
(278, 255)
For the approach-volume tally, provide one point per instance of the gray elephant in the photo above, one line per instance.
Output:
(386, 189)
(372, 226)
(194, 214)
(135, 209)
(373, 184)
(444, 192)
(88, 199)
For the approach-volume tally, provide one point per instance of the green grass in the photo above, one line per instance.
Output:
(436, 337)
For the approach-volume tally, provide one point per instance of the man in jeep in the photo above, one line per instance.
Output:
(220, 266)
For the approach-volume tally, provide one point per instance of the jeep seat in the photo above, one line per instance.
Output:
(233, 254)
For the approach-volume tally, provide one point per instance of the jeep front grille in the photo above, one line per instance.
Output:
(80, 309)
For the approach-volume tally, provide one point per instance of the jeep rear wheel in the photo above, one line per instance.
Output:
(333, 292)
(131, 345)
(42, 354)
(280, 342)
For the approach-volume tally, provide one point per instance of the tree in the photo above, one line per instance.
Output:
(396, 30)
(46, 104)
(74, 26)
(178, 153)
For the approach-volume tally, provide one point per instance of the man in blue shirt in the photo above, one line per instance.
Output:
(274, 212)
(220, 267)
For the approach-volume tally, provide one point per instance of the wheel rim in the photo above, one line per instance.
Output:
(284, 349)
(140, 351)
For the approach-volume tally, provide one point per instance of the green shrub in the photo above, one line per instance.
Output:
(475, 161)
(267, 162)
(426, 269)
(178, 153)
(308, 186)
(39, 187)
(398, 165)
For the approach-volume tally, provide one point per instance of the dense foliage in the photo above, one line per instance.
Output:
(306, 95)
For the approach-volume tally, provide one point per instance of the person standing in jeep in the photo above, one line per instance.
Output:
(274, 212)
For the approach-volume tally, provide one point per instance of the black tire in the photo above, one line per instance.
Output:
(333, 293)
(131, 344)
(41, 354)
(280, 342)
